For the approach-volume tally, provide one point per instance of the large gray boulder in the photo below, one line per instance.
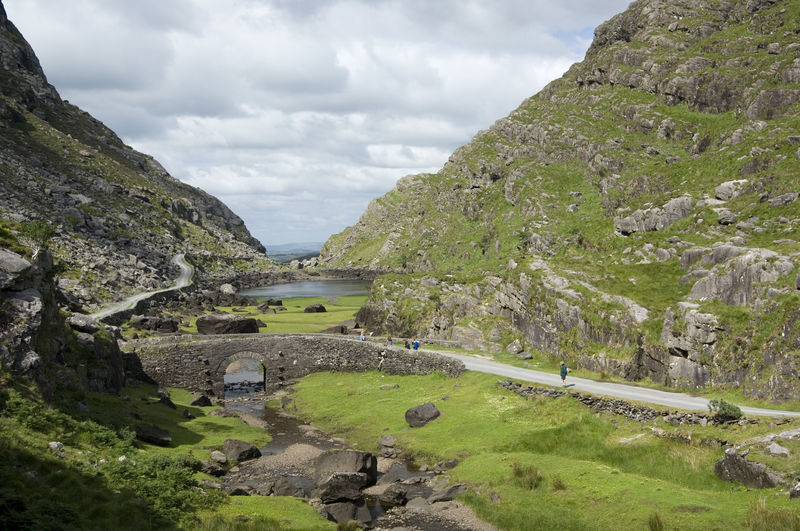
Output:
(236, 450)
(12, 267)
(341, 486)
(153, 435)
(730, 189)
(734, 467)
(346, 461)
(421, 415)
(157, 324)
(83, 323)
(346, 511)
(297, 486)
(225, 323)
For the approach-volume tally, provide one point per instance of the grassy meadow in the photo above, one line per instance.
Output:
(551, 464)
(292, 319)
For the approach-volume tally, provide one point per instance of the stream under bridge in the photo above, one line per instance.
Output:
(198, 362)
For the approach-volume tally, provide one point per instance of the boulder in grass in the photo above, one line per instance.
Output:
(734, 467)
(421, 415)
(315, 308)
(226, 323)
(239, 451)
(200, 401)
(153, 435)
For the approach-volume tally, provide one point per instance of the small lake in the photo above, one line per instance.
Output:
(311, 288)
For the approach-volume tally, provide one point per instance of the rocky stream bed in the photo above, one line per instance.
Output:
(378, 491)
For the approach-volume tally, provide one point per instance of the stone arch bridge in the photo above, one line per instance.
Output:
(198, 363)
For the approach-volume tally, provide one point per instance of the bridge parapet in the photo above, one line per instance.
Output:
(198, 363)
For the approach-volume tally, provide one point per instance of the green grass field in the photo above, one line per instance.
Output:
(597, 471)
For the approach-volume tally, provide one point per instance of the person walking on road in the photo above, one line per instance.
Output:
(564, 372)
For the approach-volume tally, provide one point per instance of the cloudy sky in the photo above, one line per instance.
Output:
(296, 113)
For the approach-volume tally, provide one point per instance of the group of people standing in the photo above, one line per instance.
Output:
(414, 344)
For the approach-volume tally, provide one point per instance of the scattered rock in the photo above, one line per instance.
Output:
(730, 189)
(153, 435)
(387, 448)
(57, 447)
(200, 400)
(778, 450)
(783, 200)
(315, 308)
(421, 415)
(239, 451)
(83, 323)
(218, 457)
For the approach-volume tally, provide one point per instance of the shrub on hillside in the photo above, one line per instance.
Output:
(723, 411)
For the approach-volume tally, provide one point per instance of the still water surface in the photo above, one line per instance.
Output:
(311, 288)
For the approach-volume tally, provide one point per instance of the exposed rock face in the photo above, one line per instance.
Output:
(582, 224)
(653, 219)
(734, 467)
(118, 216)
(35, 340)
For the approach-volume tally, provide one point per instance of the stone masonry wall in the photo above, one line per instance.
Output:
(198, 363)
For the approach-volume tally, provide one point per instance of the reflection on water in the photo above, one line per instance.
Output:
(311, 288)
(245, 378)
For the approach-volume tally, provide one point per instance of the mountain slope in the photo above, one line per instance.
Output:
(117, 215)
(638, 215)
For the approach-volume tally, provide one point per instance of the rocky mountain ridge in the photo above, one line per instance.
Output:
(85, 219)
(637, 216)
(117, 216)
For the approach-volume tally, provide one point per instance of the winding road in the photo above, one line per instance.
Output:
(625, 392)
(183, 280)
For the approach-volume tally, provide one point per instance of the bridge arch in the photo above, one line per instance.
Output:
(198, 363)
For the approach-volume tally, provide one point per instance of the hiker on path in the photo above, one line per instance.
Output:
(415, 344)
(564, 372)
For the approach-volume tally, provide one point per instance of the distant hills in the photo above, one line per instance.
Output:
(286, 252)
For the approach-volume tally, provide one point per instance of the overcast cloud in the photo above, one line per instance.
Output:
(296, 113)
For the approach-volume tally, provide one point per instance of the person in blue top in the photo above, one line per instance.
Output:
(564, 372)
(415, 344)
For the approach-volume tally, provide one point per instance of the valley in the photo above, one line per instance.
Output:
(636, 222)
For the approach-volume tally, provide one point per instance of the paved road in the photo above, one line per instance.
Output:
(183, 280)
(626, 392)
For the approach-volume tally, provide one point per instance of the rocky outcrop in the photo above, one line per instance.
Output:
(37, 341)
(734, 467)
(652, 219)
(738, 282)
(116, 215)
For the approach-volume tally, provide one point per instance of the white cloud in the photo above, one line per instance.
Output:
(297, 113)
